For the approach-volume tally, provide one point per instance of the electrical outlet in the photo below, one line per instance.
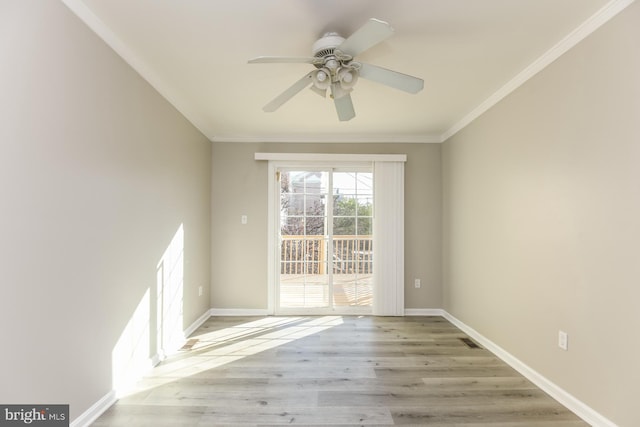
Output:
(563, 340)
(417, 283)
(199, 291)
(244, 219)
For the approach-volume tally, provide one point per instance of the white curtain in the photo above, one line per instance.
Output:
(388, 239)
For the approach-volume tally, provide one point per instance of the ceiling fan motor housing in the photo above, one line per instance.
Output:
(326, 44)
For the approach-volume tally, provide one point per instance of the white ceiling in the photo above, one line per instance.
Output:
(470, 53)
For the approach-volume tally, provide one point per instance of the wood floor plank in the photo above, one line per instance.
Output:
(150, 415)
(355, 385)
(499, 412)
(213, 398)
(299, 416)
(335, 371)
(479, 383)
(446, 371)
(430, 398)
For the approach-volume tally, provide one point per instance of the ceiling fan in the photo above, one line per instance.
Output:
(337, 71)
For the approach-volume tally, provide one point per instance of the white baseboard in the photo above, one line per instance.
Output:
(575, 405)
(195, 325)
(155, 360)
(423, 312)
(90, 415)
(239, 312)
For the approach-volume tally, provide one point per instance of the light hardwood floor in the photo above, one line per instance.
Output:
(335, 371)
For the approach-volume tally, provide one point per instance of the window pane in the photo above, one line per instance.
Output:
(314, 250)
(292, 250)
(315, 204)
(285, 179)
(292, 182)
(344, 205)
(314, 268)
(344, 182)
(316, 182)
(365, 227)
(365, 183)
(315, 226)
(344, 226)
(365, 206)
(291, 268)
(292, 226)
(292, 204)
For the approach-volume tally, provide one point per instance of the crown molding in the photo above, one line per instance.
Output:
(603, 15)
(335, 138)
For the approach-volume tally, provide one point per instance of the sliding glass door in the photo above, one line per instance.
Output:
(326, 240)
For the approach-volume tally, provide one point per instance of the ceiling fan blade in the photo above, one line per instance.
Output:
(344, 106)
(391, 78)
(289, 93)
(370, 34)
(284, 60)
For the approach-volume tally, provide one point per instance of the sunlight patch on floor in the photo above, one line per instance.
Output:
(221, 347)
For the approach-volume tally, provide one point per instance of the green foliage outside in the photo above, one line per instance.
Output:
(349, 216)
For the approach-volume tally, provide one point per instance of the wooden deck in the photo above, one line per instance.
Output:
(349, 290)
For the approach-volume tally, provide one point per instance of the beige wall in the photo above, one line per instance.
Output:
(239, 252)
(542, 221)
(97, 172)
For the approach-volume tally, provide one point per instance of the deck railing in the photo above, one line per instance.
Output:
(308, 255)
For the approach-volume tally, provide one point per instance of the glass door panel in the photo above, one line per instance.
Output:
(352, 239)
(304, 282)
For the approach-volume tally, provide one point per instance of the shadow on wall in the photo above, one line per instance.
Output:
(155, 329)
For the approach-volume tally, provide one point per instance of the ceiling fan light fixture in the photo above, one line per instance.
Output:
(347, 78)
(321, 79)
(332, 64)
